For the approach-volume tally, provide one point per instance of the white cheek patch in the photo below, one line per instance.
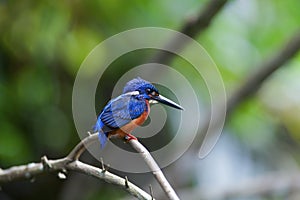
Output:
(132, 93)
(151, 101)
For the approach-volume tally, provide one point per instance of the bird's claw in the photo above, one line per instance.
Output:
(129, 137)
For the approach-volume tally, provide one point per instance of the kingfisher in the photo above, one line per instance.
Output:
(124, 113)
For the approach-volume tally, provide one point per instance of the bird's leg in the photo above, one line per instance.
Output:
(129, 137)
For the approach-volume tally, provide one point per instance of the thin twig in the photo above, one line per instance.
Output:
(155, 169)
(81, 146)
(126, 182)
(151, 191)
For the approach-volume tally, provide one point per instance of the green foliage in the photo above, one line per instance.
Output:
(14, 146)
(253, 125)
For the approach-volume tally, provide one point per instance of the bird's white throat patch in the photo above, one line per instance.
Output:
(151, 101)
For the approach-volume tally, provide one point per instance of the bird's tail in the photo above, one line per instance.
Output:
(102, 136)
(103, 139)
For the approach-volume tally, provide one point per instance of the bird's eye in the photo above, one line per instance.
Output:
(148, 91)
(153, 93)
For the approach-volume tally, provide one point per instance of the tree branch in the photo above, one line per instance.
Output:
(81, 146)
(71, 162)
(109, 178)
(192, 27)
(30, 170)
(156, 171)
(253, 82)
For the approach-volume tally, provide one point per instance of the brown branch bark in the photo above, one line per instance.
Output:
(192, 27)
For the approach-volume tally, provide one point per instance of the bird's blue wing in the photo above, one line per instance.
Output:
(117, 113)
(121, 111)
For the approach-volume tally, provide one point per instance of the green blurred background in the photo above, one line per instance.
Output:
(43, 43)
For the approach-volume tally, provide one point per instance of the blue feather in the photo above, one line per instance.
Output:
(102, 136)
(103, 139)
(120, 111)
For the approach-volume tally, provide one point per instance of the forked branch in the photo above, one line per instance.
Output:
(71, 162)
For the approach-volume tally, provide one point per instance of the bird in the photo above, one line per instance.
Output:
(124, 113)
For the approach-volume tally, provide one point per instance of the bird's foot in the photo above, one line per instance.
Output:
(129, 137)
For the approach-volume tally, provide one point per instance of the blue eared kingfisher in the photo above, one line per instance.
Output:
(124, 113)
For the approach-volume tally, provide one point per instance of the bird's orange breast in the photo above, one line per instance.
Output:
(128, 128)
(141, 119)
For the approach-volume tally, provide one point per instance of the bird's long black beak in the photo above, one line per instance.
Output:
(166, 101)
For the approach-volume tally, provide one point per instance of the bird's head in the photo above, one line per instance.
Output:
(146, 90)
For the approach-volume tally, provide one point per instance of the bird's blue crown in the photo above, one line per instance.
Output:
(140, 85)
